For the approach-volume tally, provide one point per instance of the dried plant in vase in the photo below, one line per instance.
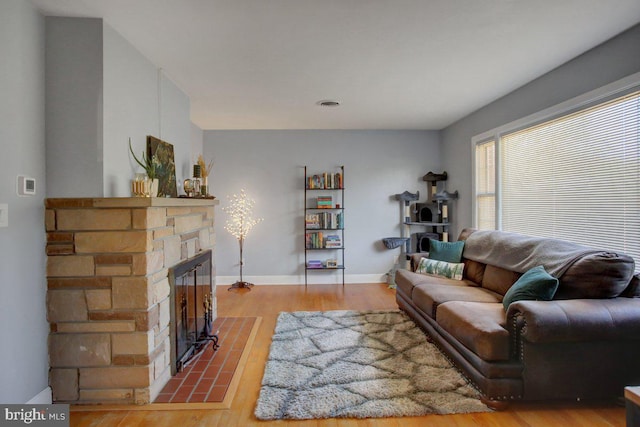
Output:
(205, 169)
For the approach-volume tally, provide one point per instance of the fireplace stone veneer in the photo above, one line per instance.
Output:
(108, 296)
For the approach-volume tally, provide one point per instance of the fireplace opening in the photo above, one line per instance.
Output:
(191, 310)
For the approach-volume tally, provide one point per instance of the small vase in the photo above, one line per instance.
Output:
(204, 186)
(196, 187)
(153, 191)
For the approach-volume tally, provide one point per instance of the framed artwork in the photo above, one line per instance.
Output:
(332, 263)
(162, 154)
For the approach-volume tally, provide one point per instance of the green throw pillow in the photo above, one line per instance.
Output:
(446, 251)
(535, 284)
(441, 268)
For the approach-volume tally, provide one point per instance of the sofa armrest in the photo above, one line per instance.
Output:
(574, 320)
(415, 258)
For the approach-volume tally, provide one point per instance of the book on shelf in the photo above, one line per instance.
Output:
(318, 240)
(314, 263)
(313, 240)
(324, 202)
(324, 220)
(325, 181)
(311, 221)
(333, 241)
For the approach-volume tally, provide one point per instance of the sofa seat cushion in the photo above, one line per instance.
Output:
(428, 296)
(481, 327)
(406, 280)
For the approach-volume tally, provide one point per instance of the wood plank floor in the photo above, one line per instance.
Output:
(267, 302)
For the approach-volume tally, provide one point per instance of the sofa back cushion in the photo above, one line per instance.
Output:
(473, 271)
(633, 290)
(466, 232)
(596, 275)
(583, 272)
(498, 279)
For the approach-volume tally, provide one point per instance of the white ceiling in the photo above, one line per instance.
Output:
(393, 64)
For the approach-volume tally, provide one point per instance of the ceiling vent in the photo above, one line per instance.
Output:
(328, 103)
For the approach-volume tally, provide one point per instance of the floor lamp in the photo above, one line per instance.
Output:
(239, 224)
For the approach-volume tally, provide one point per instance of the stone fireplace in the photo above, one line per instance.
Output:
(108, 298)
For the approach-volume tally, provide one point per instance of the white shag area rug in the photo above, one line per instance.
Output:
(360, 365)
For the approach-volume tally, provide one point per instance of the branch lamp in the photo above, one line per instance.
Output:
(239, 223)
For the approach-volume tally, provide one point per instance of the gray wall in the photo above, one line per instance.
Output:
(197, 141)
(611, 61)
(139, 100)
(95, 99)
(23, 326)
(175, 110)
(74, 106)
(269, 166)
(100, 92)
(130, 110)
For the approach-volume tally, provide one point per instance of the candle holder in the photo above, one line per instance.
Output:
(188, 187)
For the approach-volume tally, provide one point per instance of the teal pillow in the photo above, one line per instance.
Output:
(535, 284)
(446, 251)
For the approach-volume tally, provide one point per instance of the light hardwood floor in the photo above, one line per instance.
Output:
(267, 302)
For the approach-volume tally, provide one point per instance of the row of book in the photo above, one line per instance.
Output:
(325, 180)
(319, 240)
(324, 220)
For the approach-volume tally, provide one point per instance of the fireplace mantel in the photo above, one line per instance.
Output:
(128, 202)
(108, 292)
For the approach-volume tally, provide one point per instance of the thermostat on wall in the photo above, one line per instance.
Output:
(26, 186)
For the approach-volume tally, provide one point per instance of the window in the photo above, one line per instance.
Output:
(575, 177)
(486, 185)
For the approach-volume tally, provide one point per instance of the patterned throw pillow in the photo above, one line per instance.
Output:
(441, 268)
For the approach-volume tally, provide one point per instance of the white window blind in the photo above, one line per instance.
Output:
(577, 178)
(486, 185)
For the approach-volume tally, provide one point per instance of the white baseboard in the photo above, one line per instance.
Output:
(316, 277)
(43, 398)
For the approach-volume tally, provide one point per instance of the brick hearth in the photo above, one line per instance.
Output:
(108, 292)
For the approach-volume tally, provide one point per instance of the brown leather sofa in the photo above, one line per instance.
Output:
(583, 344)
